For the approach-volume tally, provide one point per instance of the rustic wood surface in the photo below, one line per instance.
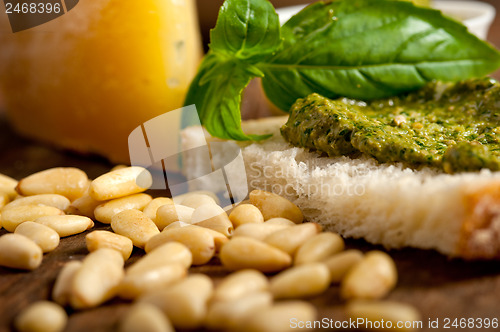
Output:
(439, 287)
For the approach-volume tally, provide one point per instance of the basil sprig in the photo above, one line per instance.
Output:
(364, 49)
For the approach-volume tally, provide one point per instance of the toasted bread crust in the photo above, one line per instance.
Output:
(480, 233)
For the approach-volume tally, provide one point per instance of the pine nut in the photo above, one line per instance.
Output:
(273, 206)
(97, 279)
(219, 238)
(104, 239)
(141, 281)
(19, 252)
(167, 214)
(230, 315)
(199, 241)
(280, 317)
(84, 206)
(66, 225)
(179, 198)
(45, 237)
(121, 182)
(61, 293)
(41, 316)
(145, 317)
(177, 224)
(117, 167)
(152, 207)
(4, 200)
(165, 254)
(268, 234)
(8, 186)
(258, 231)
(213, 217)
(318, 248)
(135, 225)
(372, 278)
(245, 213)
(87, 188)
(240, 284)
(247, 253)
(341, 263)
(301, 281)
(196, 200)
(387, 311)
(229, 208)
(104, 212)
(291, 238)
(280, 221)
(13, 217)
(67, 181)
(55, 200)
(184, 303)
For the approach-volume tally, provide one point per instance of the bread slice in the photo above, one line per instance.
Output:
(389, 204)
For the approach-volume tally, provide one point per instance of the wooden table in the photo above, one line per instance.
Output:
(439, 287)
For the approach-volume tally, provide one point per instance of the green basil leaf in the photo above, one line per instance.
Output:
(246, 29)
(216, 92)
(369, 49)
(246, 32)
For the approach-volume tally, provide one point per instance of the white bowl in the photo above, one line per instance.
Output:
(476, 16)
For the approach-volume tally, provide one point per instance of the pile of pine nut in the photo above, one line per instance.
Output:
(278, 259)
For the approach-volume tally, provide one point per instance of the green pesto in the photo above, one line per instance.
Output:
(454, 127)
